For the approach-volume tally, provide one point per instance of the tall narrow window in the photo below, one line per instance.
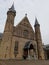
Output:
(16, 48)
(25, 33)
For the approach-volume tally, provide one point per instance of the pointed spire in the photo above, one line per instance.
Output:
(12, 8)
(36, 22)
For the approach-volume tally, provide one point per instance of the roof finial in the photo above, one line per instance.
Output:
(26, 15)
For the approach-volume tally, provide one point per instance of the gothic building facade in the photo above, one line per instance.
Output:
(21, 41)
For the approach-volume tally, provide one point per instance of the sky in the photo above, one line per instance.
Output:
(33, 8)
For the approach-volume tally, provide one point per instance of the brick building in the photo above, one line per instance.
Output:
(21, 41)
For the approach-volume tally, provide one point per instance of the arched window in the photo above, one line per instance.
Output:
(16, 48)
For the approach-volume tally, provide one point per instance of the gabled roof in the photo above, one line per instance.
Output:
(24, 29)
(25, 22)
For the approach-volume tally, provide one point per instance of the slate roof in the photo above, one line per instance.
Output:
(36, 22)
(12, 8)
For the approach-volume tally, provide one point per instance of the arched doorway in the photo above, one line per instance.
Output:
(28, 51)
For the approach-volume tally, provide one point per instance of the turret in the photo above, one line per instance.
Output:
(38, 40)
(8, 33)
(10, 19)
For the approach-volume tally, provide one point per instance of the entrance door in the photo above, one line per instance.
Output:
(25, 53)
(28, 51)
(47, 54)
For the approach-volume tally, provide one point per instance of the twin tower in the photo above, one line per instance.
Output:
(21, 41)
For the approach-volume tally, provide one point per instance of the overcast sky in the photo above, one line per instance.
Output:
(38, 8)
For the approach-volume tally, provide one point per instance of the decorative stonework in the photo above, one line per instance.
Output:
(23, 33)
